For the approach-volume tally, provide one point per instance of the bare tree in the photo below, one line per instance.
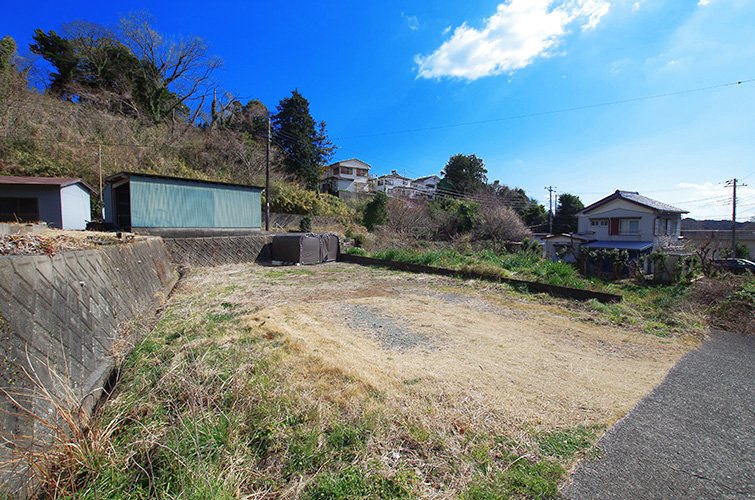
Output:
(500, 224)
(406, 218)
(177, 73)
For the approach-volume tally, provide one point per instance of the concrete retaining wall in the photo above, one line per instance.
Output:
(215, 251)
(62, 313)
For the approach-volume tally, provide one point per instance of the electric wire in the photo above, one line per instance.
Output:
(551, 112)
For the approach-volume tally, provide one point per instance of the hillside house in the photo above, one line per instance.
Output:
(170, 206)
(394, 184)
(63, 203)
(349, 175)
(425, 187)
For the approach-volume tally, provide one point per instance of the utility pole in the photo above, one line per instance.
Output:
(733, 184)
(99, 165)
(267, 177)
(551, 190)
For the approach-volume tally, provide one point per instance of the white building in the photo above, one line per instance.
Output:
(627, 220)
(425, 187)
(348, 175)
(394, 184)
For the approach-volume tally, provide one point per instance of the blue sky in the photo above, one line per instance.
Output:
(588, 96)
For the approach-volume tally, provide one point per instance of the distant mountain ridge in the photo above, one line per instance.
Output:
(715, 225)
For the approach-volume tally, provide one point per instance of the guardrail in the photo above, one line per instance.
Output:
(530, 286)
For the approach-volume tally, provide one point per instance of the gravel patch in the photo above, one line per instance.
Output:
(392, 334)
(478, 305)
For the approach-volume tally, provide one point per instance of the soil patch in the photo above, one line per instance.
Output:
(464, 345)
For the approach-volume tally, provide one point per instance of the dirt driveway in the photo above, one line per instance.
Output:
(463, 343)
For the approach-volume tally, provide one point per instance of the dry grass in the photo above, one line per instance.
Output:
(525, 361)
(262, 382)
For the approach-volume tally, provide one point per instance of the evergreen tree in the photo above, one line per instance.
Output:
(535, 216)
(305, 142)
(465, 173)
(565, 220)
(375, 212)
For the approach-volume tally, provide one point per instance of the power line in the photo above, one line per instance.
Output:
(551, 112)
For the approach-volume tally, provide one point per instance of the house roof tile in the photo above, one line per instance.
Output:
(637, 198)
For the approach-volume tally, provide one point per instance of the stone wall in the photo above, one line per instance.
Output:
(59, 321)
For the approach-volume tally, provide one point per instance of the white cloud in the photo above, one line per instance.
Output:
(703, 3)
(411, 21)
(511, 39)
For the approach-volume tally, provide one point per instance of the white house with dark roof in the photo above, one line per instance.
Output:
(626, 220)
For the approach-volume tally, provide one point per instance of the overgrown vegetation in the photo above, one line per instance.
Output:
(686, 308)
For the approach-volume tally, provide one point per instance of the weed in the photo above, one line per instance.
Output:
(353, 484)
(567, 443)
(523, 478)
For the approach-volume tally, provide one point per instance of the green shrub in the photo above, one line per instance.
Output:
(305, 224)
(375, 212)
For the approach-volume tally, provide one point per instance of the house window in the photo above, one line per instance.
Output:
(666, 227)
(599, 223)
(19, 210)
(346, 170)
(629, 226)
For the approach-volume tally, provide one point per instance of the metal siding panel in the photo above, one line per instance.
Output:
(75, 205)
(179, 203)
(237, 207)
(169, 203)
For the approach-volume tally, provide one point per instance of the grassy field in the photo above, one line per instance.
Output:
(340, 381)
(652, 308)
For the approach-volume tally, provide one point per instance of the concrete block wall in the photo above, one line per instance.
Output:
(215, 251)
(63, 313)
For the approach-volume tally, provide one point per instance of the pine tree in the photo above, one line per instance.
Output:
(305, 142)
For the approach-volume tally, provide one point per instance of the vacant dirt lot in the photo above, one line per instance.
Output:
(472, 346)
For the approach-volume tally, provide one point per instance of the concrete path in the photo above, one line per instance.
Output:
(693, 436)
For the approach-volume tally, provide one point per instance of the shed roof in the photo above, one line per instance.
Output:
(45, 181)
(124, 175)
(635, 197)
(621, 245)
(564, 235)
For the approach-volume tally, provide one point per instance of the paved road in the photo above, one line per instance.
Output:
(693, 436)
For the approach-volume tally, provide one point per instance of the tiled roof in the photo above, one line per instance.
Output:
(636, 197)
(644, 200)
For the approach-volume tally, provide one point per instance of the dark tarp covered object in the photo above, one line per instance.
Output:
(306, 248)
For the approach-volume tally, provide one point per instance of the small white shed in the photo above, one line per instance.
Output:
(63, 203)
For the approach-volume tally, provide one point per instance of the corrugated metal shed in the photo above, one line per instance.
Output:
(142, 201)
